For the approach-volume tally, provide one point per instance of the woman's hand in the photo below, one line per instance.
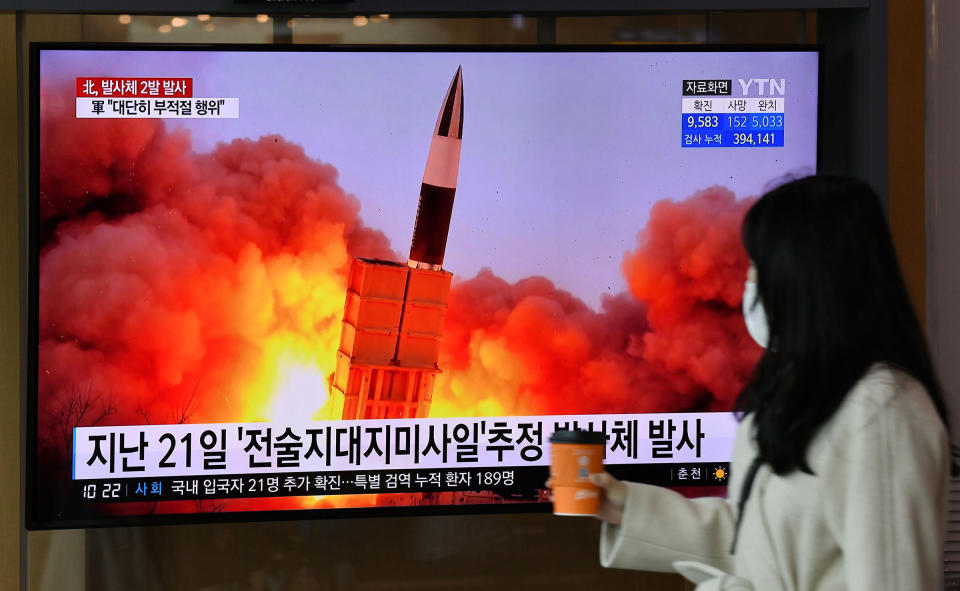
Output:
(613, 495)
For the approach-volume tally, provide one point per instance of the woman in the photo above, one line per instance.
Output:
(842, 458)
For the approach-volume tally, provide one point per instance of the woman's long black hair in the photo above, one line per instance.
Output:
(836, 303)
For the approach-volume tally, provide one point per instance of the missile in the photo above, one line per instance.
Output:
(439, 182)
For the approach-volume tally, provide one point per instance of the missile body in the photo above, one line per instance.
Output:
(439, 182)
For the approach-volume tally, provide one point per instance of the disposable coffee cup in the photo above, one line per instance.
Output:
(575, 455)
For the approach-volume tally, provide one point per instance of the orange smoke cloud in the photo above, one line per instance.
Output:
(689, 267)
(677, 344)
(178, 286)
(530, 348)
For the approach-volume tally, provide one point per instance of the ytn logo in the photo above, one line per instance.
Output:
(765, 86)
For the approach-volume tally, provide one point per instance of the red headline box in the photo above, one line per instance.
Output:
(134, 87)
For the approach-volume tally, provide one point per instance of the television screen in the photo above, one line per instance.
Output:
(319, 281)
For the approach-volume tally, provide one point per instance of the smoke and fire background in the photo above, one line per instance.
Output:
(196, 272)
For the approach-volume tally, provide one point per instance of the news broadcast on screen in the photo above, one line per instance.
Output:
(375, 280)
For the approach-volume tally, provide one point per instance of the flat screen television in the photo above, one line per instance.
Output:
(322, 281)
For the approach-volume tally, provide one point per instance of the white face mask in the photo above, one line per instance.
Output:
(754, 315)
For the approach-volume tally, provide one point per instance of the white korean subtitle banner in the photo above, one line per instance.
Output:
(255, 448)
(158, 108)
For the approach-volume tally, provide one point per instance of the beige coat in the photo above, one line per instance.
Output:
(871, 519)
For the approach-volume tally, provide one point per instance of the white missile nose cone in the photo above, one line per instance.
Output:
(450, 120)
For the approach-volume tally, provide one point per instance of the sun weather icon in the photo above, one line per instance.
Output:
(720, 474)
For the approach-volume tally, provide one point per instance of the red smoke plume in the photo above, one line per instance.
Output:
(690, 267)
(173, 283)
(677, 344)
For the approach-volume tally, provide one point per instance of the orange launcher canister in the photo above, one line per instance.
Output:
(574, 456)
